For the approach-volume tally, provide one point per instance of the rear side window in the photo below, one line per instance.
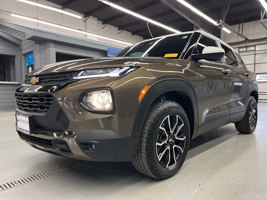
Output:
(230, 58)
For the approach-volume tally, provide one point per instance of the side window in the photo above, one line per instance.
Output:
(230, 58)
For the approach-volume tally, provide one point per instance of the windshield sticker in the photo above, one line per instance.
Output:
(171, 55)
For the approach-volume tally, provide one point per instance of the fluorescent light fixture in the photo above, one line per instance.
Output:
(264, 4)
(203, 15)
(226, 30)
(49, 8)
(70, 29)
(140, 16)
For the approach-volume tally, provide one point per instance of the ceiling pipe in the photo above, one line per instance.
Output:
(262, 19)
(251, 42)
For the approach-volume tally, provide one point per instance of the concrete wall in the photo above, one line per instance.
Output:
(11, 49)
(45, 51)
(91, 25)
(7, 95)
(7, 89)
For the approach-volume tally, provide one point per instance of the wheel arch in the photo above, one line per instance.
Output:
(255, 95)
(176, 90)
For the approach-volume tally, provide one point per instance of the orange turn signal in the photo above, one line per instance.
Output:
(143, 92)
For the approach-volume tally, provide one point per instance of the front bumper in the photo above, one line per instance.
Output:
(73, 133)
(80, 146)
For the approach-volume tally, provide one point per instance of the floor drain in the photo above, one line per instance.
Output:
(32, 178)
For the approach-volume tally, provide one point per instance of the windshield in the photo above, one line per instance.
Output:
(168, 47)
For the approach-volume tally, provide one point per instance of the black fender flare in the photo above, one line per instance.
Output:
(156, 90)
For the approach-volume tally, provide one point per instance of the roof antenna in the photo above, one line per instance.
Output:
(147, 25)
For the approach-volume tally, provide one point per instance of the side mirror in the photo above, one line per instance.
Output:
(209, 53)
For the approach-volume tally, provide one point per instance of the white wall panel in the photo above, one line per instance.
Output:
(261, 47)
(261, 58)
(250, 67)
(261, 68)
(248, 59)
(262, 87)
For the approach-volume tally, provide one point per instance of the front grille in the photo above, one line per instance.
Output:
(35, 140)
(37, 103)
(50, 79)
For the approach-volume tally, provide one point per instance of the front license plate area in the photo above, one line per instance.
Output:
(23, 124)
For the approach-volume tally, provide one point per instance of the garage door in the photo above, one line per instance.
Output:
(255, 58)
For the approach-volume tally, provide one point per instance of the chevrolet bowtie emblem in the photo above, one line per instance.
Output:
(34, 80)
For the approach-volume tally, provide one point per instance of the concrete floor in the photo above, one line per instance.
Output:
(220, 165)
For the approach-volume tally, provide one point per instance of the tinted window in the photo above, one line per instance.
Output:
(122, 52)
(230, 58)
(140, 49)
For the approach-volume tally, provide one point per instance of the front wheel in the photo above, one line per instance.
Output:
(249, 122)
(165, 141)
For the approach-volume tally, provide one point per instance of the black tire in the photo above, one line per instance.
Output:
(249, 122)
(165, 141)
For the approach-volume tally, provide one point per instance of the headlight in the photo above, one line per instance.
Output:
(100, 73)
(99, 101)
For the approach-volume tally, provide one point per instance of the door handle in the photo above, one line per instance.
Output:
(226, 71)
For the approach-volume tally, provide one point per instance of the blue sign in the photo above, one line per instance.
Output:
(29, 59)
(112, 51)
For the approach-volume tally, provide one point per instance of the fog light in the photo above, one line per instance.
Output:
(100, 100)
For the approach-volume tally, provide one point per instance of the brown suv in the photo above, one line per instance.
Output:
(143, 105)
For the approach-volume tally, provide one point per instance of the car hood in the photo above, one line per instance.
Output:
(96, 63)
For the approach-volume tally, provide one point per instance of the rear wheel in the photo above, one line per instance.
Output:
(165, 141)
(249, 122)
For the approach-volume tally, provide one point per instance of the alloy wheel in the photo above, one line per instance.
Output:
(170, 141)
(253, 114)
